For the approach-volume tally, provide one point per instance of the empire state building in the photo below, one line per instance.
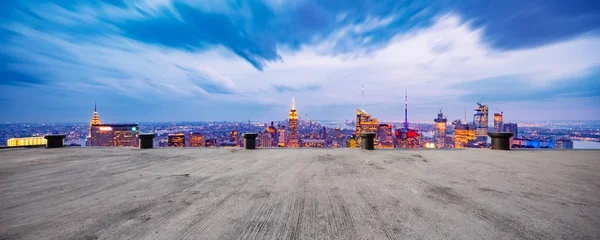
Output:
(293, 121)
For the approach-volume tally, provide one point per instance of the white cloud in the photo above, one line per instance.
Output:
(427, 62)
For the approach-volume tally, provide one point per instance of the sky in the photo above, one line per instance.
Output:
(207, 60)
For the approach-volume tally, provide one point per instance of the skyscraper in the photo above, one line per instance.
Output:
(111, 135)
(176, 140)
(281, 133)
(406, 137)
(464, 133)
(293, 122)
(480, 120)
(385, 136)
(196, 140)
(440, 130)
(498, 122)
(265, 139)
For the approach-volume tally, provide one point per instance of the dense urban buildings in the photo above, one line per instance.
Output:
(310, 133)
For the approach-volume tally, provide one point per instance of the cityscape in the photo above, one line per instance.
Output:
(295, 132)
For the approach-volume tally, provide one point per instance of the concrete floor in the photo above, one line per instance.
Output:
(125, 193)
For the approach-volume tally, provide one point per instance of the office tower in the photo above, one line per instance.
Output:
(196, 140)
(265, 139)
(511, 127)
(293, 122)
(498, 122)
(385, 136)
(406, 137)
(365, 122)
(480, 120)
(111, 135)
(234, 137)
(176, 140)
(26, 141)
(563, 144)
(440, 130)
(464, 134)
(324, 133)
(281, 133)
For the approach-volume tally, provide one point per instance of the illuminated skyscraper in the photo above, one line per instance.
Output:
(293, 122)
(464, 133)
(176, 140)
(406, 137)
(498, 122)
(281, 133)
(385, 136)
(440, 130)
(111, 135)
(195, 140)
(480, 120)
(365, 122)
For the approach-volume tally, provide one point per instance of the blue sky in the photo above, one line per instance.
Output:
(169, 60)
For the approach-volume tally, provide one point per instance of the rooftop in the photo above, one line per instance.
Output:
(193, 193)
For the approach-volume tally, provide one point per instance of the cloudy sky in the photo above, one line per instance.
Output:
(188, 60)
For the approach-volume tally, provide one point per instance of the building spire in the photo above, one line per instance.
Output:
(362, 96)
(95, 119)
(293, 103)
(405, 109)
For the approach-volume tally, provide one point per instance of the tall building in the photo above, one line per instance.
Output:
(111, 135)
(511, 127)
(176, 140)
(324, 133)
(386, 139)
(480, 120)
(265, 139)
(498, 122)
(26, 141)
(440, 130)
(195, 140)
(281, 133)
(293, 122)
(366, 123)
(406, 137)
(464, 134)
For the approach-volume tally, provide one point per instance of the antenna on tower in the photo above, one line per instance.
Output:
(293, 104)
(405, 109)
(362, 96)
(95, 107)
(465, 114)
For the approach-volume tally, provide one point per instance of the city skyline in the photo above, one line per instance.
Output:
(535, 64)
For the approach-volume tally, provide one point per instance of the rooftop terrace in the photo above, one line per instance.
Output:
(167, 193)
